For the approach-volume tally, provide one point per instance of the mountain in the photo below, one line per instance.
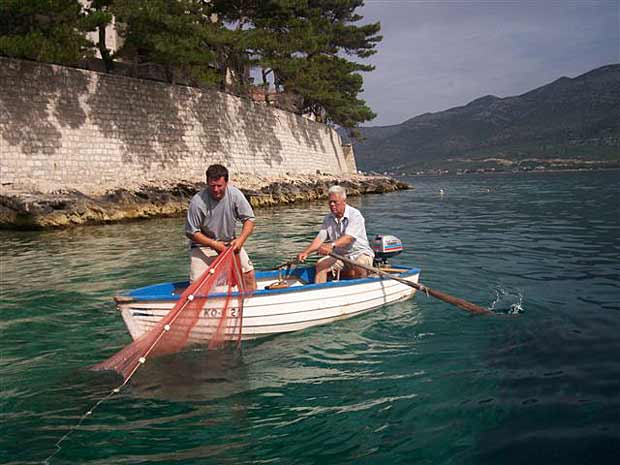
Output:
(567, 123)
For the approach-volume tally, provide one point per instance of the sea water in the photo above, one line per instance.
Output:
(418, 382)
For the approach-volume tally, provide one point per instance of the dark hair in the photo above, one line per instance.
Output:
(217, 172)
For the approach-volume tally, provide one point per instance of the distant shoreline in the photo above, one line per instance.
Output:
(504, 172)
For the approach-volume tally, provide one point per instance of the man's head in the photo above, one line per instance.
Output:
(217, 180)
(337, 197)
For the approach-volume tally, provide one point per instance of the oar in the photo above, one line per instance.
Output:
(463, 304)
(287, 264)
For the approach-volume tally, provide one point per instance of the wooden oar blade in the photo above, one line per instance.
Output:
(461, 303)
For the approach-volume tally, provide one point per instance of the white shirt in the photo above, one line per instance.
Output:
(351, 224)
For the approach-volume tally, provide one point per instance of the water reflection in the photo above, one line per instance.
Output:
(351, 350)
(197, 375)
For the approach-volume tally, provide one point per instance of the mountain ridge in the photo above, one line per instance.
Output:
(567, 119)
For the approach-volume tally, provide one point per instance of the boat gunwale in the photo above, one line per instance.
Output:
(267, 292)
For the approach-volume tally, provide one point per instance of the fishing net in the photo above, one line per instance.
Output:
(208, 312)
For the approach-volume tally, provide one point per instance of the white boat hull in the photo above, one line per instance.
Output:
(267, 313)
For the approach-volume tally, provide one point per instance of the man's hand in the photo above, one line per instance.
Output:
(301, 256)
(203, 240)
(326, 249)
(236, 245)
(219, 246)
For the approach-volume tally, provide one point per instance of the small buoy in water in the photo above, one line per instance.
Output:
(441, 192)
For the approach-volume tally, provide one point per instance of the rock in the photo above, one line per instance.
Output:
(36, 210)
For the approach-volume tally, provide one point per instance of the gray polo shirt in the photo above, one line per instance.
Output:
(351, 224)
(216, 219)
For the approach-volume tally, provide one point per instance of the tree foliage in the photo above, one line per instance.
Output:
(51, 31)
(174, 34)
(306, 45)
(311, 49)
(98, 18)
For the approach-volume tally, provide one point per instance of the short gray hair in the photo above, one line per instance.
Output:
(338, 190)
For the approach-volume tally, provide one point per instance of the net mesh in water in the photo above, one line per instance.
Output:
(208, 312)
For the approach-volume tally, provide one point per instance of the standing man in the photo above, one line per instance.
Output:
(343, 232)
(210, 225)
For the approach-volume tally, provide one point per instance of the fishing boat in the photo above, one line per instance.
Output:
(286, 299)
(280, 304)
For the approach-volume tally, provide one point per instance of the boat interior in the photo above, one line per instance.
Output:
(290, 277)
(273, 281)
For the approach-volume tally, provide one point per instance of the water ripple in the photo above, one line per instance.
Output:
(417, 382)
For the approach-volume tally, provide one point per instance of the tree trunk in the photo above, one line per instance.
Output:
(106, 57)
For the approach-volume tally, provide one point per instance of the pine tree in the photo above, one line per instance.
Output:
(98, 18)
(173, 34)
(232, 42)
(51, 31)
(304, 44)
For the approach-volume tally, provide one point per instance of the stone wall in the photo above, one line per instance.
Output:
(64, 128)
(349, 157)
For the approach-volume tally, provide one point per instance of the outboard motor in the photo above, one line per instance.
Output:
(385, 247)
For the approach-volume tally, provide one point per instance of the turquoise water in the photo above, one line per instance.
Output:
(419, 382)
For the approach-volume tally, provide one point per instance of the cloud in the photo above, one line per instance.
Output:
(437, 55)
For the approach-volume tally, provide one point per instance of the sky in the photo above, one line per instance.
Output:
(439, 54)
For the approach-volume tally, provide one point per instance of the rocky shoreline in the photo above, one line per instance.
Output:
(61, 209)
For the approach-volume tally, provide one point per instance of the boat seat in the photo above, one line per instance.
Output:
(391, 270)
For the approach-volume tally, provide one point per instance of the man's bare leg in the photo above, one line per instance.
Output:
(358, 273)
(323, 267)
(249, 281)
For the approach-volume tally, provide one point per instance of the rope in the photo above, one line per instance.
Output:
(424, 289)
(88, 413)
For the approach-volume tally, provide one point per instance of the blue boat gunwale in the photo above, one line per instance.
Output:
(166, 291)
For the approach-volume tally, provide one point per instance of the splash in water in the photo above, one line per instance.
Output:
(508, 302)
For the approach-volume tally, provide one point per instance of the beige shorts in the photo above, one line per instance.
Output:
(201, 257)
(337, 265)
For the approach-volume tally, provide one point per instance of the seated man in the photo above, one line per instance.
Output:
(344, 233)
